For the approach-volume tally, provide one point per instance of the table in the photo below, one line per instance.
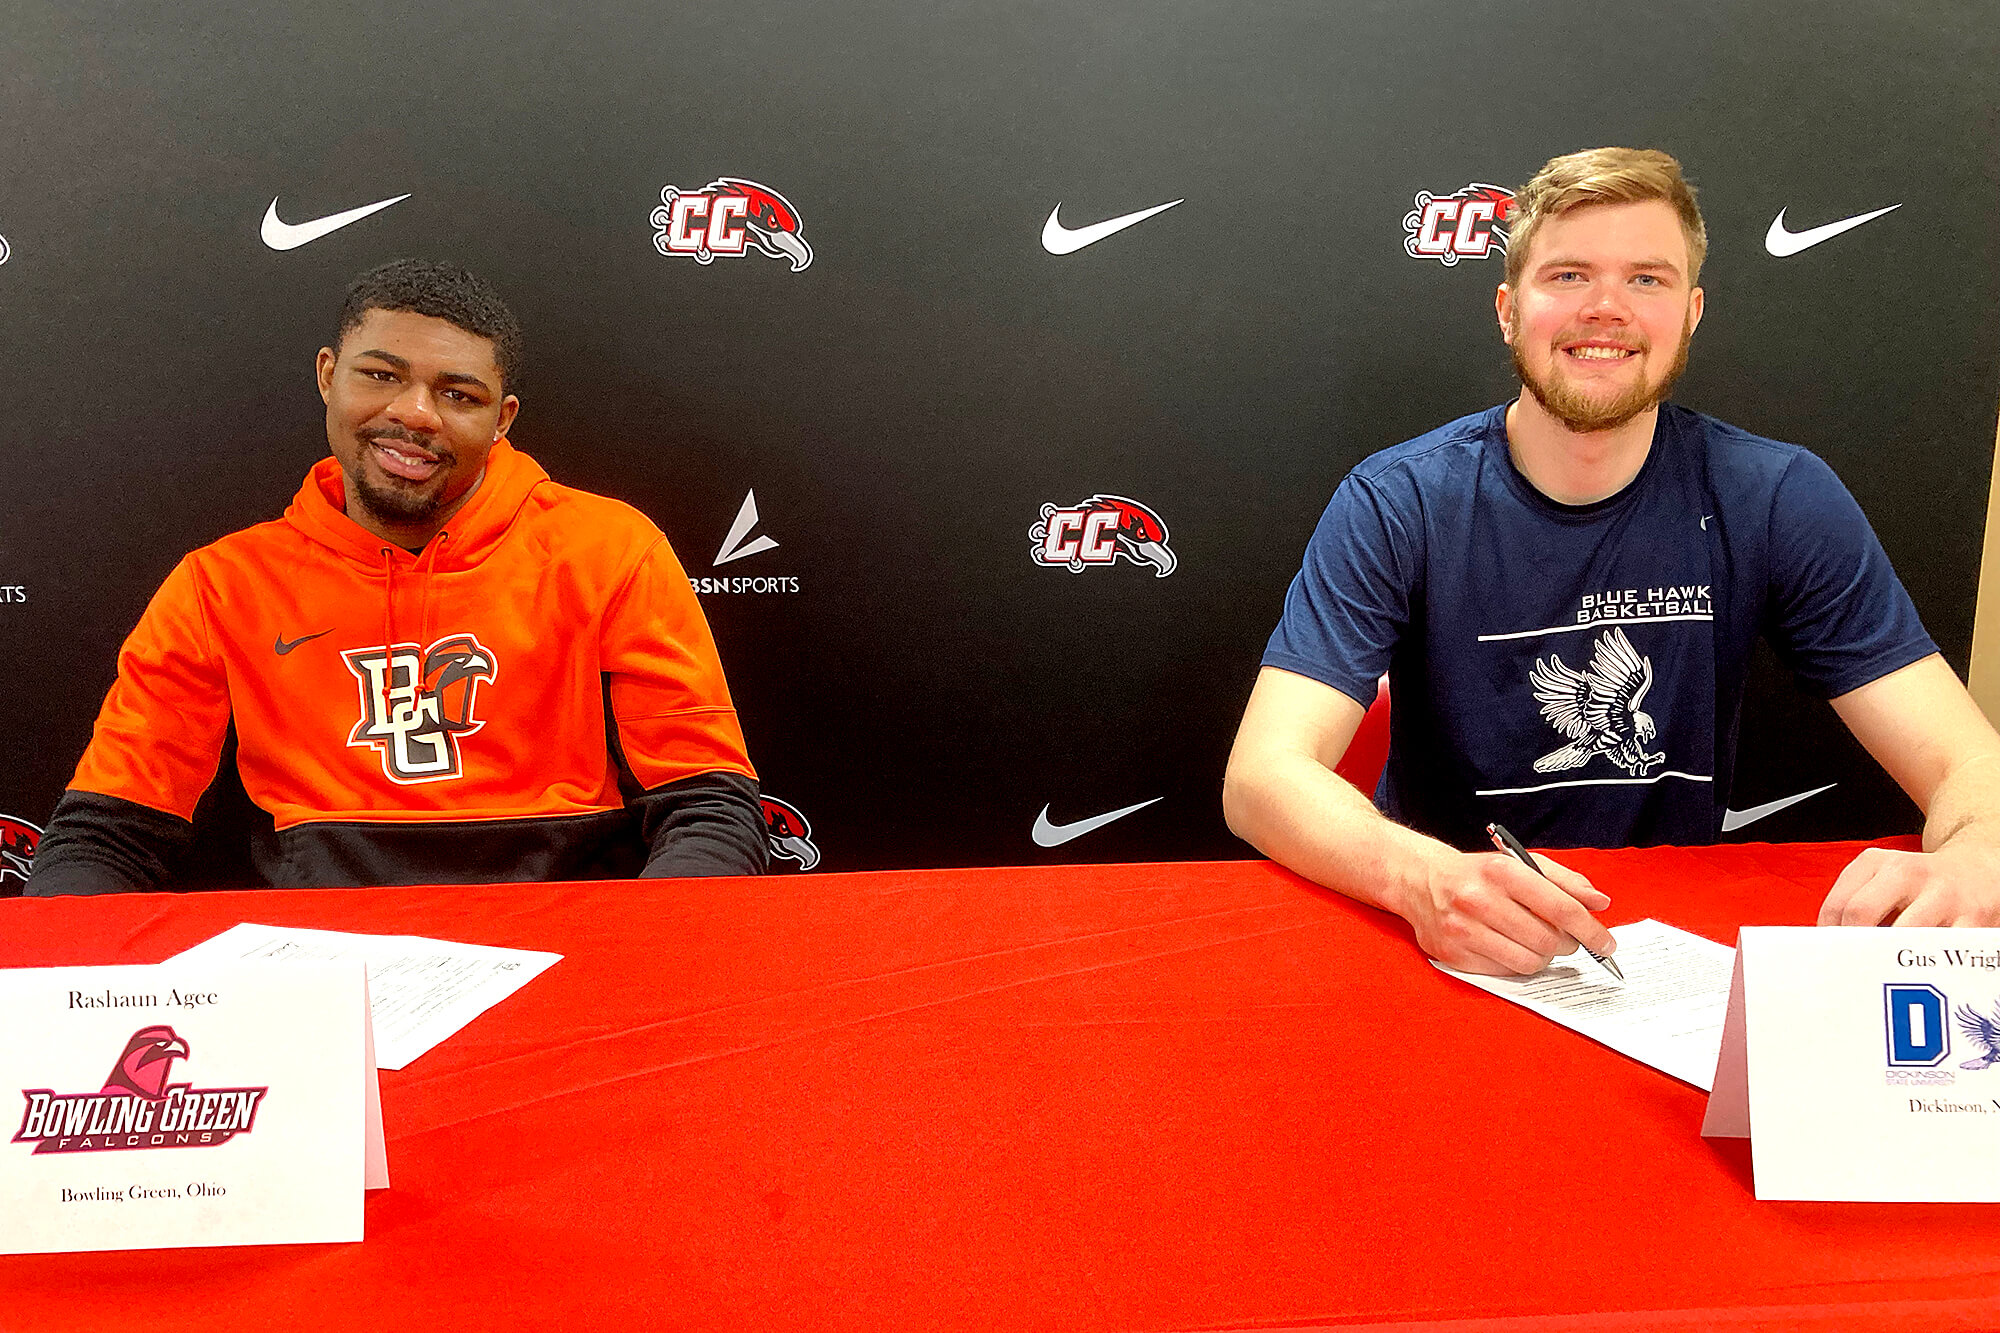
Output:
(1187, 1096)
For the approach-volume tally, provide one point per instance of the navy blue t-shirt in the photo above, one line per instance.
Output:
(1576, 672)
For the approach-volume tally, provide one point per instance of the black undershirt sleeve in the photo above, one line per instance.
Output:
(104, 844)
(709, 824)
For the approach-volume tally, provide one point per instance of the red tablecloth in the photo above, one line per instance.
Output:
(1119, 1097)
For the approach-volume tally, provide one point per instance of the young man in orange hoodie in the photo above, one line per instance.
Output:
(440, 665)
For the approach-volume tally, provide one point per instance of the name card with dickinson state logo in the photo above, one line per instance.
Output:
(170, 1106)
(1864, 1064)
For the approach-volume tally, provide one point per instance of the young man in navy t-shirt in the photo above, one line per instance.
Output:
(1564, 592)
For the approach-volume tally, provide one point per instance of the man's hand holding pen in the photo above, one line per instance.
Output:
(1486, 912)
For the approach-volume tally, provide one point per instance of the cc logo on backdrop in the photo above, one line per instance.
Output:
(1466, 224)
(1099, 532)
(726, 219)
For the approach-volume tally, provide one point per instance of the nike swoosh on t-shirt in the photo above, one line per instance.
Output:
(1736, 819)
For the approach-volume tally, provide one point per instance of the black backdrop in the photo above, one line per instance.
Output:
(905, 405)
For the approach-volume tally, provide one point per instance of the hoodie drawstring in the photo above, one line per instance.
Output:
(429, 603)
(389, 600)
(424, 569)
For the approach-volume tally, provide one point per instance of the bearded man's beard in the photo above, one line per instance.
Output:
(399, 505)
(1569, 404)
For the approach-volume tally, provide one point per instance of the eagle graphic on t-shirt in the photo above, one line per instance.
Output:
(1598, 710)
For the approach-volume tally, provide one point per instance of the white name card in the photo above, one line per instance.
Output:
(1864, 1064)
(171, 1106)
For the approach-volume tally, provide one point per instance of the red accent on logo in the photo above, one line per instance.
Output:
(790, 833)
(18, 841)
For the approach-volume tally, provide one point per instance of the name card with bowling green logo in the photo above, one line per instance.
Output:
(1864, 1064)
(172, 1106)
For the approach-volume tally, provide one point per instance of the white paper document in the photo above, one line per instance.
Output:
(1667, 1012)
(420, 990)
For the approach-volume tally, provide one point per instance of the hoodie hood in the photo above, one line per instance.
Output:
(319, 511)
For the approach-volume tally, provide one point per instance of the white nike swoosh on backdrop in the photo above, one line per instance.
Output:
(1055, 835)
(291, 235)
(1736, 819)
(1784, 243)
(1060, 240)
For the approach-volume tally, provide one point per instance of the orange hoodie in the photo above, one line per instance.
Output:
(466, 683)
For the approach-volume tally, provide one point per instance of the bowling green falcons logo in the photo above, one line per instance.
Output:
(418, 704)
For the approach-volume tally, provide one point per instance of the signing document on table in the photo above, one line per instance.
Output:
(421, 991)
(1667, 1012)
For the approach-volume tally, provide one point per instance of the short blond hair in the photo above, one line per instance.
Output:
(1604, 176)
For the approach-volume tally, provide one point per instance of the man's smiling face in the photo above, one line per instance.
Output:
(413, 406)
(1600, 321)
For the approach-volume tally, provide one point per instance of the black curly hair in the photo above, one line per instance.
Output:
(442, 291)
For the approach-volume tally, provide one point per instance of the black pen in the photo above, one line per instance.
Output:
(1511, 845)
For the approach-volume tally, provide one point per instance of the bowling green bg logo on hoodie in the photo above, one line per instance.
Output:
(417, 704)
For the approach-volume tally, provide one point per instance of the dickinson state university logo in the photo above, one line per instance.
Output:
(1917, 1022)
(416, 704)
(18, 840)
(137, 1108)
(1099, 532)
(789, 833)
(1467, 224)
(728, 217)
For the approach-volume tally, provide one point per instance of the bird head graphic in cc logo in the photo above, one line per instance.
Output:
(138, 1106)
(18, 840)
(727, 218)
(1099, 532)
(789, 833)
(417, 705)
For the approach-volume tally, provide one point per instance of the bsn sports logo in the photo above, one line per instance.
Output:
(1467, 224)
(1101, 531)
(416, 705)
(18, 840)
(137, 1108)
(789, 833)
(728, 217)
